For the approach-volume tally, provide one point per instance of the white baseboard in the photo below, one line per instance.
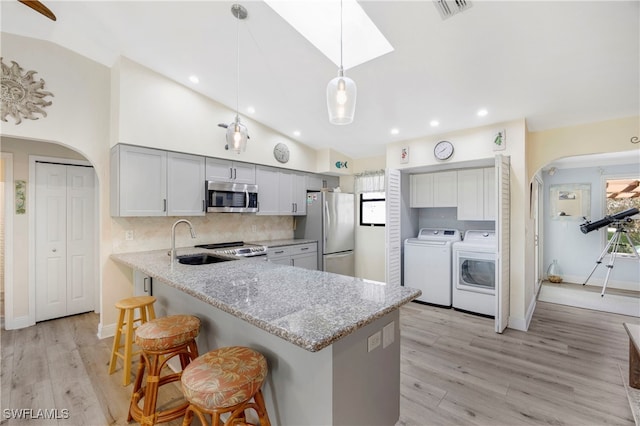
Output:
(16, 323)
(599, 282)
(105, 331)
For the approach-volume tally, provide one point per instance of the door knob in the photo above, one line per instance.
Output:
(54, 250)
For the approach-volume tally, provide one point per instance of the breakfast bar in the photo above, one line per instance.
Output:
(332, 342)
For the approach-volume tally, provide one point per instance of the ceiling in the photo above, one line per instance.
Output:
(553, 63)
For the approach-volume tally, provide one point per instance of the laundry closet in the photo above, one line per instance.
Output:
(449, 240)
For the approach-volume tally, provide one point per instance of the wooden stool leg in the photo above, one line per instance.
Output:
(262, 413)
(137, 385)
(149, 414)
(152, 312)
(116, 343)
(128, 336)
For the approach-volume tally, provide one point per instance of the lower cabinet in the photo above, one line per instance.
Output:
(301, 255)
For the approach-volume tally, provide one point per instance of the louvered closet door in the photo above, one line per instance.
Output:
(392, 228)
(503, 224)
(65, 240)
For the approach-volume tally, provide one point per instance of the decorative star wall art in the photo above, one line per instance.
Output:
(22, 96)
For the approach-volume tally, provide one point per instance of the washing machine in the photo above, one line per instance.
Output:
(427, 264)
(474, 273)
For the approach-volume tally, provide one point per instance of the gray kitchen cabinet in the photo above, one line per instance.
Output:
(434, 189)
(153, 182)
(138, 181)
(476, 194)
(142, 284)
(316, 182)
(300, 255)
(268, 191)
(281, 192)
(185, 185)
(221, 170)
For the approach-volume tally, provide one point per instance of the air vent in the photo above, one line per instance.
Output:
(448, 8)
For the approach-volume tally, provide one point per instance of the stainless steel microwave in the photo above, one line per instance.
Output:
(225, 197)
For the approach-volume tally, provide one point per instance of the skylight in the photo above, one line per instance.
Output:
(319, 22)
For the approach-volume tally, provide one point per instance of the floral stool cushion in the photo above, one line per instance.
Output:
(167, 332)
(224, 377)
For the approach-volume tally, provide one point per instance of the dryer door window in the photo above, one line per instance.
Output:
(477, 273)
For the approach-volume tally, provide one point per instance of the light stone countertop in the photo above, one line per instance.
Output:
(280, 243)
(311, 309)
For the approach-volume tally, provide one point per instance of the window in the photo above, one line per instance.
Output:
(372, 209)
(624, 194)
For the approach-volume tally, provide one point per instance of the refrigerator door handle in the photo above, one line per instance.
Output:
(327, 218)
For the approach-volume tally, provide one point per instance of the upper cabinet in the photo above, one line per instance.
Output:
(220, 170)
(281, 192)
(185, 185)
(434, 189)
(476, 194)
(152, 182)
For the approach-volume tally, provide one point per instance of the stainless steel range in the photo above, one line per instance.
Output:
(236, 248)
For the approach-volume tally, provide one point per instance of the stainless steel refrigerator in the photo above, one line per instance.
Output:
(330, 220)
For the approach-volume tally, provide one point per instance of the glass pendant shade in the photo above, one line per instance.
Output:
(341, 99)
(237, 136)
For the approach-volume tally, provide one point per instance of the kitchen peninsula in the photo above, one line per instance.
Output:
(313, 327)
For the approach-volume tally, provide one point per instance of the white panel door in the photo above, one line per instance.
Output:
(81, 276)
(51, 241)
(503, 226)
(65, 240)
(393, 239)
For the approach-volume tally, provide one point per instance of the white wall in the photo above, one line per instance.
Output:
(78, 119)
(369, 240)
(577, 252)
(160, 113)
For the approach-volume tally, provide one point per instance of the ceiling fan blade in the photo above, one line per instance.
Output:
(39, 7)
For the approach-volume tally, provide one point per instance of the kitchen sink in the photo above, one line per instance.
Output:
(201, 259)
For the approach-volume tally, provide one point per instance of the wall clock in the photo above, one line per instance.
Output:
(443, 150)
(281, 152)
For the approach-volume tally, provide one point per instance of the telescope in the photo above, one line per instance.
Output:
(625, 214)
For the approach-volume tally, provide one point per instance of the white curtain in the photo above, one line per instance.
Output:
(369, 181)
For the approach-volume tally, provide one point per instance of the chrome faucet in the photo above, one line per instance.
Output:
(173, 237)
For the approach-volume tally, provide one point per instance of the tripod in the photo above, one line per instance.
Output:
(614, 242)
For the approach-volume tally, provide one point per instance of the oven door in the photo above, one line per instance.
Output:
(475, 271)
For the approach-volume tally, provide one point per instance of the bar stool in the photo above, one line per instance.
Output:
(225, 380)
(127, 321)
(161, 340)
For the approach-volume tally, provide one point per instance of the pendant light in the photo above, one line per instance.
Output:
(237, 134)
(341, 93)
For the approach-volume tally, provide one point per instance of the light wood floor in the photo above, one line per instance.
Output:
(455, 370)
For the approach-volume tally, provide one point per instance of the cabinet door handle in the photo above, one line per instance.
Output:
(230, 172)
(278, 252)
(164, 205)
(304, 248)
(144, 285)
(235, 173)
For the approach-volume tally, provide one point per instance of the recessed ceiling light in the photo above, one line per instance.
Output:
(296, 133)
(194, 79)
(395, 131)
(434, 123)
(482, 112)
(251, 110)
(319, 22)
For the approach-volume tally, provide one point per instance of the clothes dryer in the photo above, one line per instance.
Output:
(474, 273)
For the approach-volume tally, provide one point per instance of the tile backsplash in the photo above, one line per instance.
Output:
(154, 233)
